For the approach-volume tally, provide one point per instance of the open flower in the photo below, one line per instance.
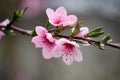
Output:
(4, 23)
(68, 50)
(44, 40)
(59, 17)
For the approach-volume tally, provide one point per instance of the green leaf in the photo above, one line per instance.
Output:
(99, 46)
(76, 30)
(96, 30)
(18, 13)
(106, 39)
(95, 34)
(22, 11)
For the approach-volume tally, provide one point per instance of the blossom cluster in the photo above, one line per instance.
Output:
(53, 47)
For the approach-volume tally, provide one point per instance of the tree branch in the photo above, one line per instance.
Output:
(114, 45)
(20, 30)
(28, 32)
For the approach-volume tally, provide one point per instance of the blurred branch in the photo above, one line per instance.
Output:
(20, 30)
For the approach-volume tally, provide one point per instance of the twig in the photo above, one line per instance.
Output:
(28, 32)
(114, 45)
(20, 30)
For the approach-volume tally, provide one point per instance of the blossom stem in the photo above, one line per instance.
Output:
(92, 41)
(28, 33)
(20, 30)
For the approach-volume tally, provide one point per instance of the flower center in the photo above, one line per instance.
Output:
(47, 42)
(68, 46)
(57, 21)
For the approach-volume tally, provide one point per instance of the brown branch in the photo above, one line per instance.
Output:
(114, 45)
(28, 32)
(20, 30)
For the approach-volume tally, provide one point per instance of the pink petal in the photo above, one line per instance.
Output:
(50, 13)
(68, 59)
(84, 31)
(46, 52)
(40, 30)
(57, 51)
(53, 22)
(74, 44)
(61, 11)
(62, 41)
(70, 20)
(78, 55)
(50, 37)
(5, 22)
(37, 41)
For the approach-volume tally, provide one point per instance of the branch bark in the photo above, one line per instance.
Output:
(28, 33)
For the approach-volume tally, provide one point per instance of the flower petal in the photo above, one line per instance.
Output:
(37, 41)
(40, 30)
(68, 59)
(84, 31)
(5, 22)
(50, 13)
(61, 11)
(78, 55)
(62, 41)
(50, 37)
(70, 20)
(57, 51)
(46, 52)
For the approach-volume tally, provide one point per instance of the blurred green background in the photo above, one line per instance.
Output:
(20, 60)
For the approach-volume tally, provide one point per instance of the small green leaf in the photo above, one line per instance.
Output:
(95, 34)
(99, 46)
(22, 11)
(106, 39)
(96, 30)
(76, 30)
(18, 13)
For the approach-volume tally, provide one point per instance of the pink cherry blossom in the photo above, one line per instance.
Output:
(68, 50)
(4, 23)
(44, 40)
(59, 17)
